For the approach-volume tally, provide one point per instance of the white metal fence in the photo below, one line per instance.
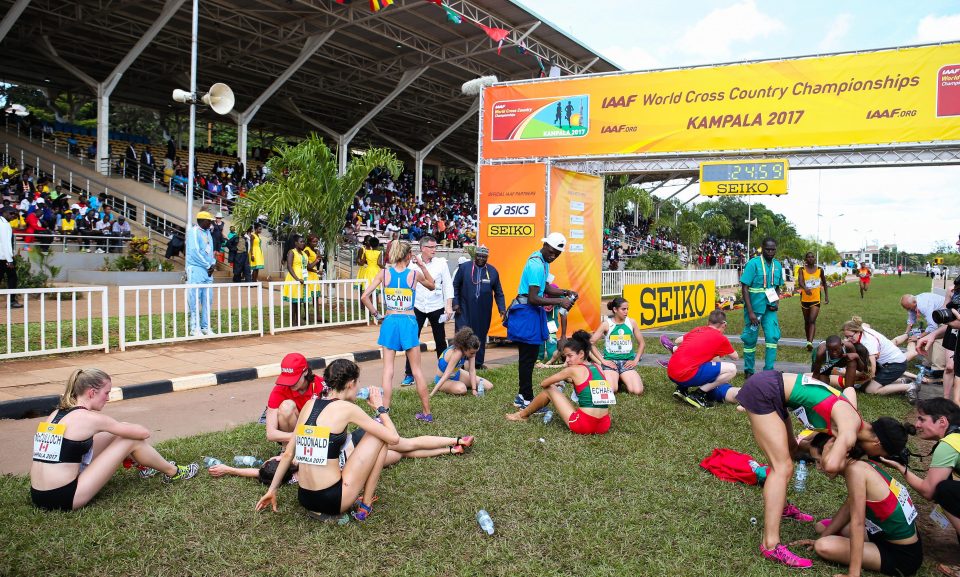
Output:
(613, 281)
(54, 320)
(162, 313)
(314, 304)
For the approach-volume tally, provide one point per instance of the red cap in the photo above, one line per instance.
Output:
(291, 369)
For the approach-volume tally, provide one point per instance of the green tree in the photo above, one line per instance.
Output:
(624, 199)
(306, 193)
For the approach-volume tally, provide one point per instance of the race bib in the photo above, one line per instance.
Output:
(601, 394)
(903, 497)
(939, 518)
(312, 444)
(801, 414)
(552, 327)
(872, 527)
(772, 295)
(620, 344)
(398, 299)
(48, 442)
(812, 283)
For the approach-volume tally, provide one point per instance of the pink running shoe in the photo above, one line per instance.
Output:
(781, 554)
(662, 363)
(667, 343)
(826, 521)
(792, 512)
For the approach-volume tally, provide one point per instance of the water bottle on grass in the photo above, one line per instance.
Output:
(211, 461)
(246, 461)
(800, 477)
(486, 523)
(547, 416)
(480, 389)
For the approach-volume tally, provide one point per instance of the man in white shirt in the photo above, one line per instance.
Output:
(887, 360)
(435, 305)
(8, 268)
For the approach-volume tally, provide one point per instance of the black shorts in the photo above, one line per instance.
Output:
(950, 340)
(59, 499)
(326, 501)
(897, 559)
(889, 372)
(809, 305)
(762, 394)
(947, 495)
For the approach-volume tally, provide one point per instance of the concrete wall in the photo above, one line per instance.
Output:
(125, 278)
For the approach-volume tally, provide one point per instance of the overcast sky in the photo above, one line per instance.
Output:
(914, 207)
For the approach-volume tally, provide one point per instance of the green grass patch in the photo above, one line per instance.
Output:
(633, 502)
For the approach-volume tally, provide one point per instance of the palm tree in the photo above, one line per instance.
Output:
(306, 192)
(617, 202)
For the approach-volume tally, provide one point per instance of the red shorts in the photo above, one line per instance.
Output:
(584, 424)
(865, 280)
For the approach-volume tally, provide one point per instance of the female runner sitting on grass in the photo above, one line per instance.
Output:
(78, 449)
(877, 506)
(324, 488)
(593, 392)
(622, 349)
(767, 397)
(463, 351)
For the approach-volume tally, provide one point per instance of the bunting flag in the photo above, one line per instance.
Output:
(344, 1)
(496, 34)
(378, 5)
(437, 2)
(521, 48)
(452, 14)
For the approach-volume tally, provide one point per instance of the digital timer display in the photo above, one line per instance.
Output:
(741, 171)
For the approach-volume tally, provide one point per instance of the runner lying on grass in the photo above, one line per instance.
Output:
(876, 528)
(77, 449)
(323, 487)
(594, 394)
(767, 397)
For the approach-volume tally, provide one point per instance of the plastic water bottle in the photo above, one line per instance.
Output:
(800, 477)
(486, 523)
(246, 461)
(759, 470)
(210, 462)
(480, 389)
(363, 394)
(920, 375)
(547, 416)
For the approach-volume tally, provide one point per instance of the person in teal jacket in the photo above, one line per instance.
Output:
(759, 283)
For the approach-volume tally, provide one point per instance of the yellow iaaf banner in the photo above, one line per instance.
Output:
(661, 304)
(889, 96)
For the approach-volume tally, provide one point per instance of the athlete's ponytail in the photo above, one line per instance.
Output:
(81, 381)
(579, 342)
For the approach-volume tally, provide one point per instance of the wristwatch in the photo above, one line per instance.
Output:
(381, 410)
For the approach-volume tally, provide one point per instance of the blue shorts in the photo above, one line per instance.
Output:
(399, 332)
(707, 373)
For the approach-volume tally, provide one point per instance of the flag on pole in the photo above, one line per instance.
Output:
(378, 5)
(437, 2)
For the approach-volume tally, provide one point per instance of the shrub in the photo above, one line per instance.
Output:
(654, 260)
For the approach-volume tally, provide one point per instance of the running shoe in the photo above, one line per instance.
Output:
(146, 472)
(667, 343)
(913, 394)
(407, 381)
(791, 511)
(747, 374)
(183, 473)
(428, 418)
(692, 398)
(519, 402)
(663, 363)
(781, 554)
(809, 346)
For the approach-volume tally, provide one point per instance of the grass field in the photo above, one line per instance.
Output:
(633, 502)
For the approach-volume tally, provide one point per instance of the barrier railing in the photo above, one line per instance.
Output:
(54, 320)
(171, 313)
(325, 303)
(613, 281)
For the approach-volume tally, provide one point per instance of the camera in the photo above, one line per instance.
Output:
(944, 315)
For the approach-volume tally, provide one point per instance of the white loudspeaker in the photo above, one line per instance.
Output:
(751, 222)
(219, 98)
(182, 96)
(476, 85)
(554, 72)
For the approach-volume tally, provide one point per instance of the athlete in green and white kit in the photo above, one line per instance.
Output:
(761, 278)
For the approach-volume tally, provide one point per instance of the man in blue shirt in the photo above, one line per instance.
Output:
(761, 278)
(527, 321)
(200, 265)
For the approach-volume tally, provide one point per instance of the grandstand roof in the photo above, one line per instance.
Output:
(248, 43)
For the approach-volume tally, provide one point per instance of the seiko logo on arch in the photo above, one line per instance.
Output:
(512, 210)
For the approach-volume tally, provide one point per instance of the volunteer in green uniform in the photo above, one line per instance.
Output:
(622, 349)
(938, 419)
(759, 282)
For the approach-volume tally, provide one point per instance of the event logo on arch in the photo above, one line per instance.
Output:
(541, 118)
(948, 91)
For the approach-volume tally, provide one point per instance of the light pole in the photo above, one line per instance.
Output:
(863, 251)
(829, 229)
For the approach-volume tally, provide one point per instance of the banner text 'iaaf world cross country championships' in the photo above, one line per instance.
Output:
(890, 96)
